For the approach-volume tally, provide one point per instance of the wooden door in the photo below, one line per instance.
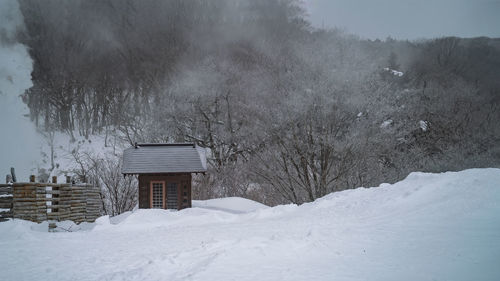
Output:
(157, 195)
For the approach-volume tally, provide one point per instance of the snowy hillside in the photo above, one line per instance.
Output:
(426, 227)
(65, 151)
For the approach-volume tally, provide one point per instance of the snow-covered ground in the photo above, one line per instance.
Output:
(427, 227)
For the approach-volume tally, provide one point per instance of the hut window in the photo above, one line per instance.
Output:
(172, 194)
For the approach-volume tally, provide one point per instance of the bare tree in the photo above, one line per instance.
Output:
(310, 155)
(118, 193)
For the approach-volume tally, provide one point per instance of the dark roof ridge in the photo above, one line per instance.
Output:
(167, 144)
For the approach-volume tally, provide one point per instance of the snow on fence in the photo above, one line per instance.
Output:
(39, 202)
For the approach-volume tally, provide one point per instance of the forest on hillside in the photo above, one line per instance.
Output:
(288, 112)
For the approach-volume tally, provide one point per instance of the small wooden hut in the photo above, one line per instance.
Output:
(164, 172)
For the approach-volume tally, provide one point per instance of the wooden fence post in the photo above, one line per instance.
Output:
(13, 173)
(52, 226)
(55, 197)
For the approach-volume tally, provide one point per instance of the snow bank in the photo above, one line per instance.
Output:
(230, 204)
(63, 226)
(426, 227)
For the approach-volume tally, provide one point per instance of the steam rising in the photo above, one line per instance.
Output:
(20, 148)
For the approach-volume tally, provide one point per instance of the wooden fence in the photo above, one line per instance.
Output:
(39, 202)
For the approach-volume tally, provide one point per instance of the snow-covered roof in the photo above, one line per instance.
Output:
(163, 158)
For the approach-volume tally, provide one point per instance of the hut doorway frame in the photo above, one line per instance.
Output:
(163, 194)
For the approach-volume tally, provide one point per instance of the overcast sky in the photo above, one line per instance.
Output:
(408, 19)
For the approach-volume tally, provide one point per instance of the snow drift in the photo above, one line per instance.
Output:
(426, 227)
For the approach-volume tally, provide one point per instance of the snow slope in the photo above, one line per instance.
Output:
(426, 227)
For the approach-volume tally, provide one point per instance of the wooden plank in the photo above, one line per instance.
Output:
(57, 206)
(58, 211)
(24, 193)
(23, 199)
(79, 201)
(5, 205)
(24, 209)
(54, 192)
(94, 206)
(20, 187)
(16, 184)
(27, 194)
(7, 189)
(97, 203)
